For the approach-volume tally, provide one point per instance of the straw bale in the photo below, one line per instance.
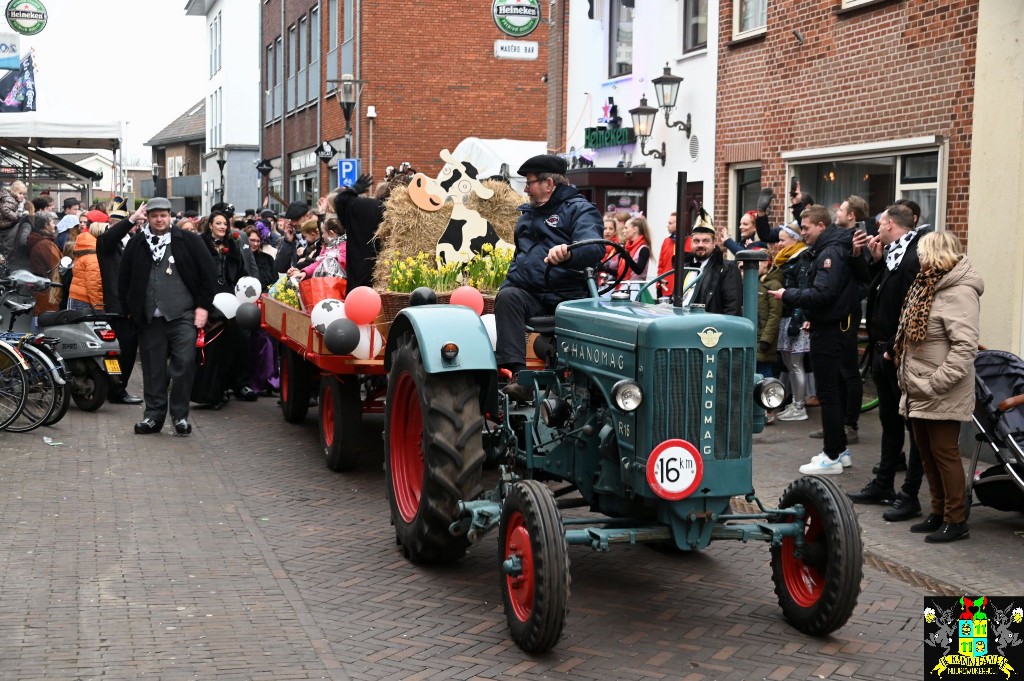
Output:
(407, 230)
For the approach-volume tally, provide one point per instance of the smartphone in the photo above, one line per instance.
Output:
(860, 227)
(792, 186)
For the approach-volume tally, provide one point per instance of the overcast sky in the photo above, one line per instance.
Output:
(143, 62)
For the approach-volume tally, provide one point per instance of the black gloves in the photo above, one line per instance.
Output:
(764, 201)
(364, 182)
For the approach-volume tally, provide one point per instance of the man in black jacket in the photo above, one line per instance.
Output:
(557, 215)
(831, 304)
(895, 265)
(720, 289)
(166, 285)
(361, 217)
(109, 247)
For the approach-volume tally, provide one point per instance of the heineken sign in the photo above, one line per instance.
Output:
(27, 17)
(597, 138)
(516, 18)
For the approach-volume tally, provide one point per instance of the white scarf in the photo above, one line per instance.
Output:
(157, 244)
(897, 250)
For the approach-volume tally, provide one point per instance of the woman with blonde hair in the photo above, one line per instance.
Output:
(934, 352)
(792, 267)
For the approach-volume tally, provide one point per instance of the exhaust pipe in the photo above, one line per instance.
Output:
(749, 262)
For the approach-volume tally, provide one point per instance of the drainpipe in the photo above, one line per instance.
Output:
(359, 74)
(285, 171)
(320, 167)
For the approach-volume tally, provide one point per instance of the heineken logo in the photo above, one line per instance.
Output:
(596, 138)
(27, 17)
(516, 18)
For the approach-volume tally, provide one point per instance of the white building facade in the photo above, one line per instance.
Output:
(232, 102)
(616, 49)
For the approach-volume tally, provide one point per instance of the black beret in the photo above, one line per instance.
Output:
(545, 163)
(296, 210)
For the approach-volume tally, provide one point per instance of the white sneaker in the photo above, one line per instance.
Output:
(822, 465)
(793, 413)
(846, 459)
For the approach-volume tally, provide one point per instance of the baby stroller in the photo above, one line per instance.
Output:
(999, 418)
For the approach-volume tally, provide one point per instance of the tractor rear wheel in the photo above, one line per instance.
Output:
(340, 418)
(433, 454)
(534, 566)
(818, 589)
(294, 386)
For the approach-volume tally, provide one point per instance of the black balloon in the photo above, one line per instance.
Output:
(341, 337)
(248, 316)
(424, 295)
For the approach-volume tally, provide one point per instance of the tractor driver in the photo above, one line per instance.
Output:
(557, 215)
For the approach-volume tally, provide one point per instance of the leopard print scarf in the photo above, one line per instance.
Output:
(917, 308)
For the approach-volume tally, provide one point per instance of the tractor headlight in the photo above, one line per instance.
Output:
(770, 393)
(627, 395)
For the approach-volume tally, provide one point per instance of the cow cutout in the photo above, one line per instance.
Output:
(467, 231)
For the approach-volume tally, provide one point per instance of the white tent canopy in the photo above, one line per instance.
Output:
(26, 129)
(487, 155)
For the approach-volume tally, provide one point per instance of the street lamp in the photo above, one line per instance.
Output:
(643, 125)
(666, 90)
(221, 162)
(347, 93)
(156, 175)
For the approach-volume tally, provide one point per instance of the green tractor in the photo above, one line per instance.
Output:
(644, 415)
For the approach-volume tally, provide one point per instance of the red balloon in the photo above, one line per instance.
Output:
(470, 297)
(362, 305)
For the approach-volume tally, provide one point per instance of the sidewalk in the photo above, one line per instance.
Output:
(986, 563)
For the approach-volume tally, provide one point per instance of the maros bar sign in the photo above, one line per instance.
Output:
(615, 137)
(27, 17)
(516, 18)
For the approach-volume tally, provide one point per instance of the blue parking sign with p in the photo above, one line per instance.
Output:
(348, 171)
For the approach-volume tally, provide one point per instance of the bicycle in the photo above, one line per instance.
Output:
(12, 384)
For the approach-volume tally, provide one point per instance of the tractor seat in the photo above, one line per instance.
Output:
(543, 325)
(63, 317)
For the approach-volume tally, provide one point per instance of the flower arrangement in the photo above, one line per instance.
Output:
(486, 271)
(284, 291)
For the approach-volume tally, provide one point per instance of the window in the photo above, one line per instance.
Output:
(695, 25)
(347, 64)
(854, 3)
(332, 25)
(215, 43)
(314, 54)
(749, 17)
(747, 181)
(268, 80)
(879, 179)
(293, 51)
(620, 34)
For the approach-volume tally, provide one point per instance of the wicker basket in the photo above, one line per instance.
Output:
(392, 303)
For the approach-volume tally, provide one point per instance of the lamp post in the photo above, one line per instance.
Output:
(156, 175)
(347, 93)
(643, 125)
(221, 162)
(666, 90)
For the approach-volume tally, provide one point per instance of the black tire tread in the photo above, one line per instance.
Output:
(343, 454)
(453, 457)
(296, 406)
(845, 557)
(101, 386)
(552, 582)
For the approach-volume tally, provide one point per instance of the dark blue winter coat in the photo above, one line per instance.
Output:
(566, 218)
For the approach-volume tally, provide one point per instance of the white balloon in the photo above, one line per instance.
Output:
(227, 304)
(370, 342)
(324, 312)
(490, 324)
(248, 289)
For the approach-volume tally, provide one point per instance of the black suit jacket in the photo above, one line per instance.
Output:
(720, 290)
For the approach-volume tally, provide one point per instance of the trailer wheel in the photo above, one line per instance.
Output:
(433, 454)
(534, 566)
(294, 386)
(818, 589)
(340, 418)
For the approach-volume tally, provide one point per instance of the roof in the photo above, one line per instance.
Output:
(188, 127)
(30, 130)
(78, 158)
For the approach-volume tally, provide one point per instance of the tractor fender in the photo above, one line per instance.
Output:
(435, 325)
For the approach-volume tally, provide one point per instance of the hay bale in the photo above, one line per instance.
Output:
(407, 230)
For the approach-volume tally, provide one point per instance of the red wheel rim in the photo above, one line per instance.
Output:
(805, 583)
(327, 414)
(285, 388)
(520, 588)
(407, 448)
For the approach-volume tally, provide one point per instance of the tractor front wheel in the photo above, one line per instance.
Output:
(534, 566)
(818, 588)
(340, 417)
(433, 454)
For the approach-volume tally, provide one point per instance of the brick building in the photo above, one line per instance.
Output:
(431, 77)
(867, 97)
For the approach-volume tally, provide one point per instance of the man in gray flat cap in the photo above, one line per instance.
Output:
(166, 284)
(557, 215)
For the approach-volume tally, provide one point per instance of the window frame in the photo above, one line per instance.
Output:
(737, 33)
(615, 8)
(687, 20)
(850, 4)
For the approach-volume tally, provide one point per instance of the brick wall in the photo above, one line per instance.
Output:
(893, 70)
(430, 72)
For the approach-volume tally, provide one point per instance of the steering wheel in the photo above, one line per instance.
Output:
(615, 275)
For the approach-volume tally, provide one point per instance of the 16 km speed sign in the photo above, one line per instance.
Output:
(674, 469)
